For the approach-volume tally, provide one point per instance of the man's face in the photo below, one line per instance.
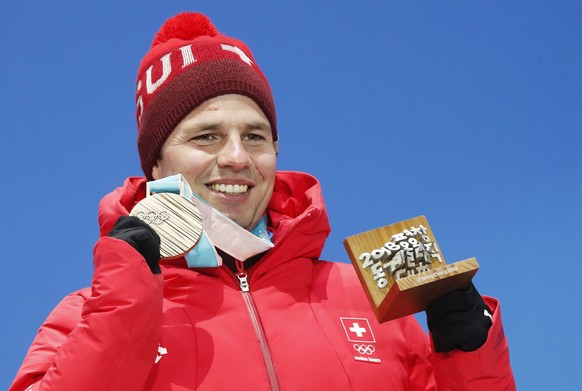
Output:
(224, 149)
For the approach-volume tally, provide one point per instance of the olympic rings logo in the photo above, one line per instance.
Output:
(364, 349)
(153, 217)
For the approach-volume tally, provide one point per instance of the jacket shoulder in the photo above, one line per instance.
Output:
(67, 313)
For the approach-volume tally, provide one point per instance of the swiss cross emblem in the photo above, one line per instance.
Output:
(358, 330)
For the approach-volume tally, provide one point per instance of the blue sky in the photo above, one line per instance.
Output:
(466, 112)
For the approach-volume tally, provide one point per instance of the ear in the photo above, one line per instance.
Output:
(157, 171)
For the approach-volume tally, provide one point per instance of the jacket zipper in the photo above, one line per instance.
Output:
(259, 331)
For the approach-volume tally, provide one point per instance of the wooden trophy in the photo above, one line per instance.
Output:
(402, 269)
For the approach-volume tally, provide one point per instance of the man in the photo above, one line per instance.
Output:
(281, 319)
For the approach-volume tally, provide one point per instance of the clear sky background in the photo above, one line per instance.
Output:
(467, 112)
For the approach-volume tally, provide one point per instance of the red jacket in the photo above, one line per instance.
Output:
(305, 324)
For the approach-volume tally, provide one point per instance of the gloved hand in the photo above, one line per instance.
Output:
(459, 319)
(141, 237)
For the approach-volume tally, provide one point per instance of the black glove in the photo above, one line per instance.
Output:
(459, 319)
(141, 236)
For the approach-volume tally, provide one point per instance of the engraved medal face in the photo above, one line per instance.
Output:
(175, 219)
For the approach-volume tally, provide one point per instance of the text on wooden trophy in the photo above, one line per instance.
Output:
(407, 253)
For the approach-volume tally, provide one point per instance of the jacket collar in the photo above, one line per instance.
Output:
(296, 214)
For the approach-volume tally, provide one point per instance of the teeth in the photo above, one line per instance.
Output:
(230, 189)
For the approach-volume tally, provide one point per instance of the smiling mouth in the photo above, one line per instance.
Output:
(229, 189)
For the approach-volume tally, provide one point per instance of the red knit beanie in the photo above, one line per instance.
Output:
(190, 62)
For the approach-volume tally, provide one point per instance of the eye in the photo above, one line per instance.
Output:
(204, 138)
(255, 137)
(258, 134)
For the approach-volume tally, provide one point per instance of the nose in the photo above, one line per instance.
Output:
(233, 154)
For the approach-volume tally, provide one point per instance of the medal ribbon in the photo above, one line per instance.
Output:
(218, 230)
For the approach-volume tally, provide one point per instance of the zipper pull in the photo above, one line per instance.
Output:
(244, 283)
(242, 276)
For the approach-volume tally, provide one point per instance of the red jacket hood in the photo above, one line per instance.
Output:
(296, 208)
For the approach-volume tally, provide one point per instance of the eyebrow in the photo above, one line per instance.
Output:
(204, 125)
(200, 125)
(213, 125)
(260, 125)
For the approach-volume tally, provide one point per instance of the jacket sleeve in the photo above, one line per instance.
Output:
(419, 367)
(103, 341)
(487, 368)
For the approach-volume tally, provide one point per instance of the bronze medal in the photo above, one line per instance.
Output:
(175, 219)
